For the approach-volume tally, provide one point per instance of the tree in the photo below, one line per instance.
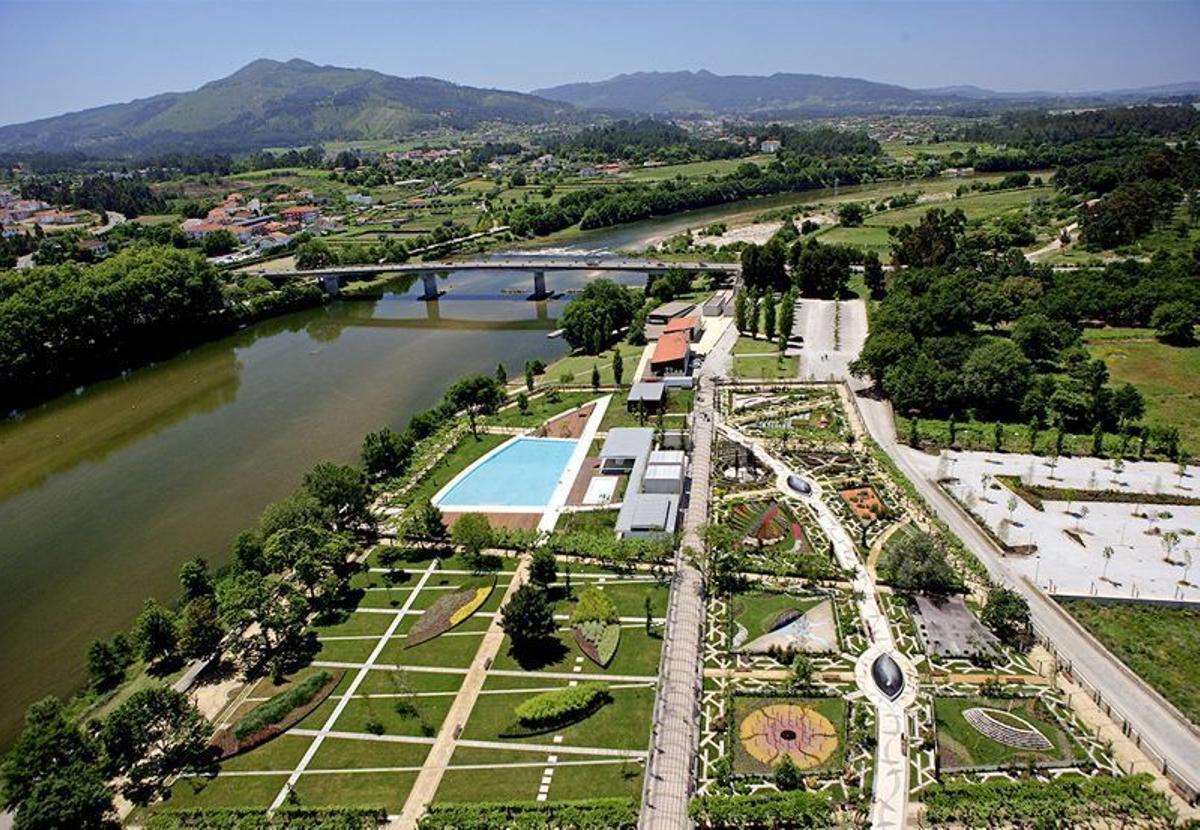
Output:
(156, 734)
(246, 552)
(595, 377)
(528, 619)
(917, 564)
(49, 744)
(740, 312)
(821, 270)
(218, 242)
(851, 214)
(787, 775)
(314, 253)
(996, 376)
(473, 533)
(1007, 615)
(618, 366)
(873, 275)
(592, 319)
(154, 633)
(195, 579)
(1128, 405)
(1037, 337)
(386, 453)
(1175, 323)
(200, 629)
(105, 666)
(769, 317)
(501, 375)
(77, 796)
(428, 522)
(273, 618)
(933, 242)
(1108, 555)
(543, 567)
(802, 668)
(529, 376)
(476, 394)
(522, 403)
(341, 492)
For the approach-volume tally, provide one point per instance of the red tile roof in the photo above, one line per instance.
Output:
(670, 348)
(681, 324)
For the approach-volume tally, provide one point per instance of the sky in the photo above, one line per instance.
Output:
(64, 55)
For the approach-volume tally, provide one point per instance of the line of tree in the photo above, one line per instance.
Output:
(640, 141)
(128, 195)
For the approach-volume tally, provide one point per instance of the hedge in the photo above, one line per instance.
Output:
(1062, 802)
(592, 814)
(794, 810)
(278, 707)
(561, 705)
(297, 818)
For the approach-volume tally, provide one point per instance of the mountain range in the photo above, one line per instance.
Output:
(270, 103)
(294, 103)
(790, 94)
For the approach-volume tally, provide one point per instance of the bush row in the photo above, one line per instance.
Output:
(561, 705)
(796, 809)
(292, 819)
(592, 814)
(277, 708)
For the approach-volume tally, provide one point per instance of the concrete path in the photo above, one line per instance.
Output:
(327, 728)
(833, 333)
(426, 785)
(675, 737)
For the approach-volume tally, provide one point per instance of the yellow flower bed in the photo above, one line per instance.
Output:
(475, 603)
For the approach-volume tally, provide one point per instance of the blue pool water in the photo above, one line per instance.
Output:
(523, 473)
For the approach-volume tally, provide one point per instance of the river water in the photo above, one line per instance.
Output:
(105, 493)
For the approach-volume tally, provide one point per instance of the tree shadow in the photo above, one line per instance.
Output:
(538, 655)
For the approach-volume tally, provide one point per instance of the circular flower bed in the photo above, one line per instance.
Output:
(778, 729)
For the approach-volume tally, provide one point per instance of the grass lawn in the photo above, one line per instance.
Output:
(637, 655)
(623, 723)
(679, 403)
(373, 789)
(579, 366)
(1167, 376)
(832, 708)
(455, 651)
(961, 745)
(765, 368)
(281, 752)
(758, 609)
(751, 345)
(540, 409)
(468, 449)
(349, 753)
(596, 778)
(1161, 644)
(587, 521)
(247, 792)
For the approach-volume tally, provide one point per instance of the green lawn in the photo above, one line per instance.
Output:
(540, 409)
(752, 345)
(587, 521)
(679, 402)
(756, 610)
(579, 366)
(623, 723)
(1161, 644)
(637, 655)
(1167, 376)
(765, 368)
(961, 745)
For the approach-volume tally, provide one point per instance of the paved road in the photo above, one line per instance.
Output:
(559, 262)
(1160, 727)
(670, 772)
(824, 355)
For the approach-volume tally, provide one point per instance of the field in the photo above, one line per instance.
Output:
(1167, 376)
(873, 233)
(1161, 644)
(766, 367)
(696, 169)
(902, 150)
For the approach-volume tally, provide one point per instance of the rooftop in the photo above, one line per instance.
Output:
(647, 391)
(627, 442)
(670, 348)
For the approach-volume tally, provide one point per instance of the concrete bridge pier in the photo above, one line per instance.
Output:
(539, 286)
(432, 292)
(331, 284)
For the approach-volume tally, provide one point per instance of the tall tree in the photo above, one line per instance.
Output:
(154, 735)
(476, 394)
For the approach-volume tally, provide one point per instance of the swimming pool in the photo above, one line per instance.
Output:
(521, 473)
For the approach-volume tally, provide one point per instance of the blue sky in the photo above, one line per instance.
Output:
(65, 55)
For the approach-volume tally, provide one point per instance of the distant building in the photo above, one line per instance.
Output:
(668, 311)
(717, 304)
(96, 247)
(692, 327)
(650, 506)
(301, 213)
(770, 146)
(359, 199)
(646, 396)
(672, 356)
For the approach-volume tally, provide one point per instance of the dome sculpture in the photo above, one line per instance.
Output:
(799, 485)
(887, 676)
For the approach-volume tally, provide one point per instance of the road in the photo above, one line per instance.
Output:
(833, 333)
(559, 262)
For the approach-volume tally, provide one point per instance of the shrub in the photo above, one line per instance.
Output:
(278, 707)
(796, 809)
(592, 814)
(562, 705)
(593, 605)
(291, 818)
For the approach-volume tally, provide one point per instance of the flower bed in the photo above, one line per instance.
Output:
(277, 715)
(447, 612)
(594, 625)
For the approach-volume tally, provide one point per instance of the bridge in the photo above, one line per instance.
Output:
(331, 277)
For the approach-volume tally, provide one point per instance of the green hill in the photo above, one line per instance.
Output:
(268, 103)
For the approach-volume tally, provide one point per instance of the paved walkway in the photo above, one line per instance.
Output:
(675, 739)
(435, 764)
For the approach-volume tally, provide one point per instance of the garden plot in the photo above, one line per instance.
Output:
(779, 536)
(396, 671)
(1150, 543)
(978, 732)
(506, 753)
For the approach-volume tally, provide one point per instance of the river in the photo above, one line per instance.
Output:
(105, 493)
